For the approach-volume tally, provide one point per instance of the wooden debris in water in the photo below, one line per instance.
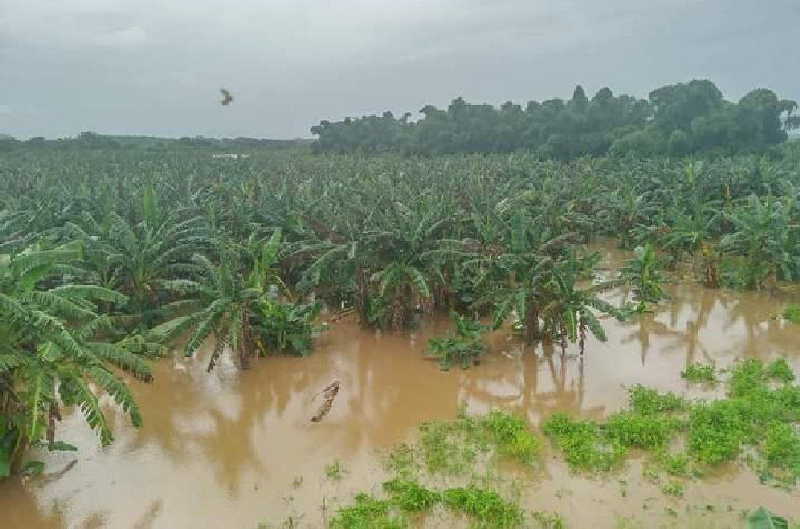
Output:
(329, 393)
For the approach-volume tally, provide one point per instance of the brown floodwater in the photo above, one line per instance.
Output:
(234, 449)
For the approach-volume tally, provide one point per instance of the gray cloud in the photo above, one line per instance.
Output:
(155, 67)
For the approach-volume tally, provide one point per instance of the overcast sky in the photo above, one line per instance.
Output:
(155, 66)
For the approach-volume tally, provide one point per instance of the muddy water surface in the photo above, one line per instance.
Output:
(232, 450)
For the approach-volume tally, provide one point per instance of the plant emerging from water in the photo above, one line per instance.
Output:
(452, 447)
(792, 313)
(762, 411)
(644, 273)
(463, 346)
(699, 373)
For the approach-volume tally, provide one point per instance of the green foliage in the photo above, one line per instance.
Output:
(792, 313)
(453, 447)
(717, 430)
(675, 464)
(410, 496)
(762, 518)
(699, 373)
(648, 401)
(643, 272)
(100, 242)
(464, 346)
(634, 430)
(285, 327)
(488, 508)
(235, 302)
(401, 461)
(588, 445)
(676, 119)
(583, 443)
(52, 355)
(367, 513)
(512, 435)
(449, 447)
(782, 451)
(758, 413)
(780, 370)
(673, 488)
(764, 236)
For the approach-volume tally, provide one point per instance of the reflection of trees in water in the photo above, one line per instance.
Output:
(699, 303)
(765, 333)
(189, 411)
(543, 383)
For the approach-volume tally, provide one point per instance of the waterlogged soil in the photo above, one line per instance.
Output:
(234, 449)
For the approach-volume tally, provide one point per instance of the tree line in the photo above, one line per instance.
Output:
(675, 120)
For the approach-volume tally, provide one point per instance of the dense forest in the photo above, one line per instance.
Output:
(675, 120)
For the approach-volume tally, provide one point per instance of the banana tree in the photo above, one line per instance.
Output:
(235, 302)
(569, 311)
(50, 354)
(765, 235)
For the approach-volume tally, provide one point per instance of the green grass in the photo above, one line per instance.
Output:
(583, 444)
(410, 496)
(782, 453)
(402, 462)
(717, 431)
(449, 447)
(635, 430)
(792, 313)
(511, 435)
(367, 513)
(453, 447)
(761, 413)
(675, 464)
(780, 370)
(486, 507)
(758, 417)
(700, 373)
(673, 488)
(648, 401)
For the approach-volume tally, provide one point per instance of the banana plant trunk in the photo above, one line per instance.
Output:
(532, 331)
(362, 295)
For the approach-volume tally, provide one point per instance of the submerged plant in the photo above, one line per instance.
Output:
(699, 373)
(489, 509)
(335, 470)
(452, 447)
(792, 313)
(410, 496)
(463, 346)
(583, 444)
(643, 272)
(762, 518)
(57, 351)
(367, 513)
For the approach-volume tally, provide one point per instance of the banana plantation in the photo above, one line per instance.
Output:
(110, 260)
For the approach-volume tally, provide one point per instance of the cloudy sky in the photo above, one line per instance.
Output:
(155, 66)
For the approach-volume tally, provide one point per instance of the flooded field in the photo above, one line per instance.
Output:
(234, 449)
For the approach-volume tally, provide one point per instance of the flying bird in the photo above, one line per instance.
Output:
(227, 98)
